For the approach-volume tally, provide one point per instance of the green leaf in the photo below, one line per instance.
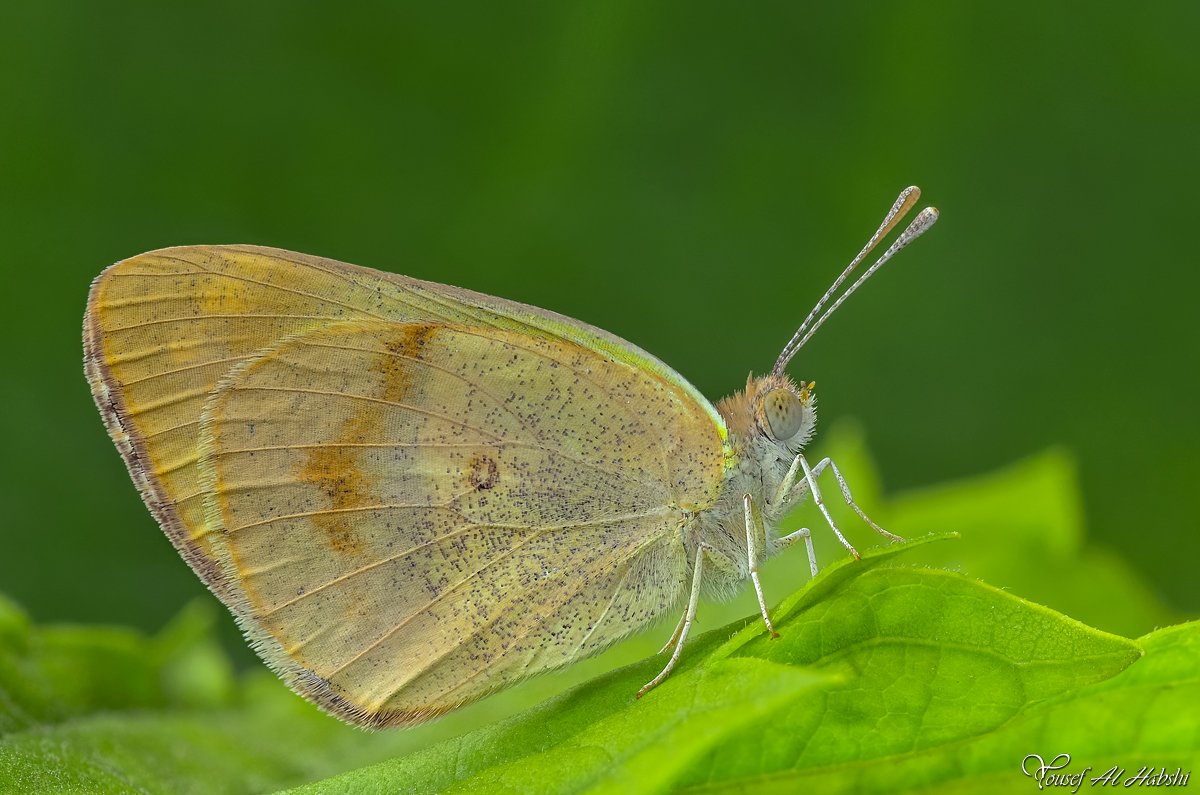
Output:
(1147, 716)
(870, 663)
(1022, 528)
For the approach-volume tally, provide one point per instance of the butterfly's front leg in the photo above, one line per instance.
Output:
(789, 490)
(809, 483)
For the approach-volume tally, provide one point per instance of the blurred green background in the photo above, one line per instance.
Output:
(690, 176)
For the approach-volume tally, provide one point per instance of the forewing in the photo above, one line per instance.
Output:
(418, 514)
(163, 328)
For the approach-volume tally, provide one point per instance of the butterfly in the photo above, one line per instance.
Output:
(412, 495)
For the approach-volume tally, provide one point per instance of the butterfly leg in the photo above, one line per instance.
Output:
(792, 538)
(755, 531)
(675, 635)
(809, 483)
(850, 501)
(788, 488)
(810, 477)
(688, 618)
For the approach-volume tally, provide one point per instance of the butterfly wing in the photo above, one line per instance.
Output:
(162, 328)
(409, 494)
(419, 514)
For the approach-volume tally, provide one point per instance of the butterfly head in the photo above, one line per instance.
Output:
(774, 410)
(784, 412)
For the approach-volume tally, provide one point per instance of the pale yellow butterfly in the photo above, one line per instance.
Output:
(412, 495)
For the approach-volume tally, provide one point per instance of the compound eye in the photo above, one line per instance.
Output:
(784, 413)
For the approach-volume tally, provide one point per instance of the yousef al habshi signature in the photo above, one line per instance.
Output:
(1047, 774)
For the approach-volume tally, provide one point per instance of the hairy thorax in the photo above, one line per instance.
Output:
(756, 464)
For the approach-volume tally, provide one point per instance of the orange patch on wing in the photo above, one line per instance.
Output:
(336, 469)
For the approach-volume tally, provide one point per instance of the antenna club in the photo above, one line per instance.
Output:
(925, 219)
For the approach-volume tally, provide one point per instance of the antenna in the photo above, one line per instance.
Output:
(925, 219)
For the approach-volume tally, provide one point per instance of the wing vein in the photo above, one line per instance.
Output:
(248, 280)
(169, 400)
(499, 402)
(502, 404)
(215, 315)
(583, 374)
(180, 464)
(407, 406)
(584, 583)
(549, 449)
(447, 506)
(510, 443)
(342, 277)
(185, 369)
(507, 554)
(607, 607)
(359, 508)
(172, 428)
